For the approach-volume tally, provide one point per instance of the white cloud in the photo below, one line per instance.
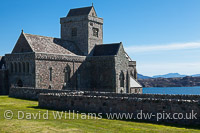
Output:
(166, 47)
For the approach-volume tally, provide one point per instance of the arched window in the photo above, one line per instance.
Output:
(19, 66)
(121, 78)
(27, 67)
(24, 67)
(11, 67)
(67, 72)
(50, 74)
(135, 74)
(15, 66)
(19, 83)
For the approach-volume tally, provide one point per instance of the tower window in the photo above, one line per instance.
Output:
(95, 32)
(74, 32)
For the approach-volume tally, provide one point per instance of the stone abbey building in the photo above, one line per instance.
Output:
(77, 61)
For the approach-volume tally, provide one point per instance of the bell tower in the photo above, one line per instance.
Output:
(83, 27)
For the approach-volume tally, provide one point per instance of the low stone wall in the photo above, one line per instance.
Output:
(108, 102)
(102, 104)
(32, 94)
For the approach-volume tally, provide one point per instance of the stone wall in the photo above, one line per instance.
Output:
(58, 74)
(126, 68)
(110, 102)
(21, 68)
(32, 93)
(87, 73)
(4, 82)
(102, 71)
(121, 67)
(113, 104)
(94, 22)
(84, 25)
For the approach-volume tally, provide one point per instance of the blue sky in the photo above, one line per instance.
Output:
(163, 36)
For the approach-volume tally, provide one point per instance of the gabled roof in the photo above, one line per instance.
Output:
(2, 61)
(79, 11)
(106, 49)
(51, 45)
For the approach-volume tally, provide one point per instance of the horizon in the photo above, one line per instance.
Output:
(168, 74)
(163, 37)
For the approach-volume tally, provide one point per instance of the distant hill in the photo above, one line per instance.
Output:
(170, 82)
(196, 75)
(170, 75)
(140, 76)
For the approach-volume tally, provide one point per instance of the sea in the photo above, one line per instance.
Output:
(173, 90)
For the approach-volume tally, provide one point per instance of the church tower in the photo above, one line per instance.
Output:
(83, 27)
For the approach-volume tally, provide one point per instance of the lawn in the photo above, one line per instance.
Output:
(68, 125)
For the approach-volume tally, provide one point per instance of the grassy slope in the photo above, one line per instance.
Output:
(65, 125)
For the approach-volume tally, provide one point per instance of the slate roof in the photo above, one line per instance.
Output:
(106, 49)
(79, 11)
(51, 45)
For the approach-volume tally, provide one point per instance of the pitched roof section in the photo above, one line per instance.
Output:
(22, 45)
(51, 45)
(2, 61)
(106, 49)
(134, 83)
(79, 11)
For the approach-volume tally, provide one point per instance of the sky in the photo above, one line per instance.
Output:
(163, 36)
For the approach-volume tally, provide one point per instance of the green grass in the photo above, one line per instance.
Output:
(66, 125)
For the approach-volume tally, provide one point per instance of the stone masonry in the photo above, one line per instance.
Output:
(180, 110)
(77, 61)
(3, 77)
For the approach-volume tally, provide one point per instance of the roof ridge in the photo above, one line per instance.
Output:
(79, 11)
(48, 37)
(108, 44)
(81, 7)
(41, 35)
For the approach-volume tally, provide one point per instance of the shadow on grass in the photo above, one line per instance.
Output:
(22, 98)
(130, 120)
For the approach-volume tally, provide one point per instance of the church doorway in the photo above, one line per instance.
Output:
(19, 83)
